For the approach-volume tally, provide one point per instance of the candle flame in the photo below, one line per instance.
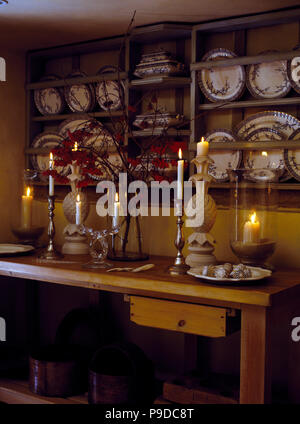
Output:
(75, 146)
(28, 191)
(78, 198)
(180, 154)
(116, 197)
(264, 153)
(51, 156)
(253, 217)
(202, 139)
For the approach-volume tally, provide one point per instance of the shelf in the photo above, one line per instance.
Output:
(80, 80)
(17, 392)
(251, 103)
(245, 60)
(159, 82)
(157, 132)
(47, 150)
(254, 145)
(162, 31)
(278, 186)
(88, 115)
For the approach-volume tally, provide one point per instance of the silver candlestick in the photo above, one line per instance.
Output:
(179, 267)
(50, 252)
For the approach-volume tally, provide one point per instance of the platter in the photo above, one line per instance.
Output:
(109, 94)
(257, 275)
(222, 84)
(293, 68)
(49, 101)
(268, 80)
(223, 160)
(292, 158)
(15, 249)
(79, 97)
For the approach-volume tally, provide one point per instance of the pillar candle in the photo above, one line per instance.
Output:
(78, 210)
(26, 219)
(202, 147)
(116, 211)
(251, 229)
(51, 179)
(180, 174)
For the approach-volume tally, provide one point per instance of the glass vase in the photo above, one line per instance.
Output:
(253, 216)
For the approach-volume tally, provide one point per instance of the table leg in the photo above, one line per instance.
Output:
(255, 378)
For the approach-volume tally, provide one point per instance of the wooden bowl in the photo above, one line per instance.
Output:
(55, 371)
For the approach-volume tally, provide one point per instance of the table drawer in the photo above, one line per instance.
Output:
(184, 317)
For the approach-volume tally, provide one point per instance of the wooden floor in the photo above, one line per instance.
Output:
(17, 392)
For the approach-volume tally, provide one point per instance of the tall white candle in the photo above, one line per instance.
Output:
(51, 179)
(26, 219)
(78, 210)
(180, 174)
(202, 147)
(116, 211)
(251, 229)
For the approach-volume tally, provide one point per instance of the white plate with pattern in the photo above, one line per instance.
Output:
(15, 249)
(110, 94)
(276, 120)
(292, 158)
(268, 80)
(222, 84)
(49, 101)
(293, 71)
(257, 274)
(223, 159)
(40, 161)
(79, 97)
(273, 159)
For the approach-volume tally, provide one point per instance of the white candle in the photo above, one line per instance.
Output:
(251, 229)
(202, 147)
(180, 174)
(51, 179)
(78, 210)
(116, 211)
(26, 219)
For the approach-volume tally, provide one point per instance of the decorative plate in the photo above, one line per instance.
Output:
(279, 121)
(293, 71)
(223, 159)
(15, 249)
(164, 67)
(40, 161)
(79, 97)
(257, 274)
(272, 159)
(110, 94)
(49, 101)
(157, 120)
(292, 158)
(268, 80)
(222, 84)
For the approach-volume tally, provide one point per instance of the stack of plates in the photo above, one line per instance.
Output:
(158, 120)
(158, 63)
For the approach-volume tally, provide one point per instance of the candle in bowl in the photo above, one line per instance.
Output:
(78, 210)
(251, 229)
(202, 147)
(180, 174)
(27, 209)
(116, 211)
(51, 179)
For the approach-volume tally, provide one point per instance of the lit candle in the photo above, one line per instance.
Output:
(78, 210)
(75, 147)
(27, 209)
(202, 147)
(51, 179)
(180, 173)
(251, 229)
(116, 211)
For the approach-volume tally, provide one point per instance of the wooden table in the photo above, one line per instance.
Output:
(186, 304)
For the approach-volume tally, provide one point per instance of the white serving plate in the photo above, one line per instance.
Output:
(257, 274)
(222, 84)
(14, 249)
(292, 158)
(49, 101)
(79, 97)
(110, 94)
(268, 80)
(223, 160)
(293, 67)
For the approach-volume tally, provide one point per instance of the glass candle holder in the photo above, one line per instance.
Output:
(253, 216)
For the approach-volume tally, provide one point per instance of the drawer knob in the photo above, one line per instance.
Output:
(181, 323)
